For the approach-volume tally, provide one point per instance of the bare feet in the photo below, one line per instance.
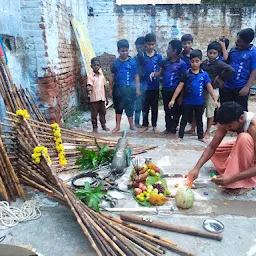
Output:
(133, 128)
(116, 129)
(178, 140)
(144, 128)
(236, 191)
(165, 132)
(171, 136)
(138, 125)
(207, 135)
(203, 140)
(94, 130)
(155, 130)
(191, 132)
(105, 128)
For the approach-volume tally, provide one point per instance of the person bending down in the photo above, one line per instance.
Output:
(234, 160)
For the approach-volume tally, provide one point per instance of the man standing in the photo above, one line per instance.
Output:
(242, 58)
(234, 160)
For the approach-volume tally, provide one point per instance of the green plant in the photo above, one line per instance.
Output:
(92, 197)
(91, 159)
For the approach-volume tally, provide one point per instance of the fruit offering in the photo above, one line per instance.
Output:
(184, 198)
(147, 185)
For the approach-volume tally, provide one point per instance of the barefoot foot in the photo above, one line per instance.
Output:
(144, 128)
(207, 135)
(191, 132)
(178, 140)
(236, 191)
(116, 129)
(133, 128)
(204, 140)
(155, 130)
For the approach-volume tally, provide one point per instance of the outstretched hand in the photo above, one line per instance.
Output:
(191, 176)
(222, 180)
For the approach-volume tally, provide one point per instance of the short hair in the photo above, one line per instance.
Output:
(187, 37)
(123, 43)
(176, 45)
(246, 35)
(196, 54)
(140, 40)
(95, 59)
(150, 38)
(229, 112)
(214, 46)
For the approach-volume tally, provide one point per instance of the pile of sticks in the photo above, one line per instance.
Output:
(107, 235)
(14, 98)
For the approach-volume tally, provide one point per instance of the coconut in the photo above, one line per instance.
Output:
(184, 198)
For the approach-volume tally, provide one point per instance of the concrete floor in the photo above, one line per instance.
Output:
(56, 233)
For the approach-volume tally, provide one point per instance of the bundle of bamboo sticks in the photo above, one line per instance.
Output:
(15, 98)
(108, 236)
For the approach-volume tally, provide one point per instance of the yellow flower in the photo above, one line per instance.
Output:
(37, 150)
(37, 160)
(60, 147)
(23, 112)
(55, 125)
(27, 116)
(63, 162)
(57, 133)
(58, 141)
(61, 154)
(45, 150)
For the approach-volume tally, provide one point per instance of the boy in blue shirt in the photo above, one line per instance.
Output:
(139, 101)
(187, 43)
(151, 62)
(125, 78)
(242, 58)
(173, 68)
(193, 83)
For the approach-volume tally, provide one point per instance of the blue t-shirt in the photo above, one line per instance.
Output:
(186, 59)
(152, 64)
(172, 72)
(194, 85)
(244, 62)
(124, 72)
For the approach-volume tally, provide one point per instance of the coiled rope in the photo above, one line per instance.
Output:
(10, 216)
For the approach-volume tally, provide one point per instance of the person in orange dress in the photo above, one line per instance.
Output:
(235, 161)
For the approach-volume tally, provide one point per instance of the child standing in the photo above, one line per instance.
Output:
(124, 84)
(173, 68)
(96, 85)
(151, 62)
(187, 43)
(139, 101)
(219, 72)
(242, 58)
(194, 82)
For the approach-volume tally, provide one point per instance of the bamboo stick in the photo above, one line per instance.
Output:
(174, 228)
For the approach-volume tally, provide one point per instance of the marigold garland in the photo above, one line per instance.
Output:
(58, 144)
(23, 112)
(36, 156)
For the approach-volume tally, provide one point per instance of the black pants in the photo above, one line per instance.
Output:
(172, 116)
(98, 108)
(150, 102)
(187, 111)
(228, 94)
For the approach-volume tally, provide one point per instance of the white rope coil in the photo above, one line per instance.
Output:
(10, 216)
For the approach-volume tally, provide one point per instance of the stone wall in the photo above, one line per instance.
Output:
(108, 23)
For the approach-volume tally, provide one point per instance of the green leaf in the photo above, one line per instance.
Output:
(87, 186)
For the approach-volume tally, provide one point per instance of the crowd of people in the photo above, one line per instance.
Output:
(190, 86)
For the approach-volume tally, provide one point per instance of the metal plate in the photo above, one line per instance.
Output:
(213, 226)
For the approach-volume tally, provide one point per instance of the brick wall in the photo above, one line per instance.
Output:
(53, 57)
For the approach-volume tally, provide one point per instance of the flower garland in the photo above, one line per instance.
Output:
(23, 112)
(37, 153)
(58, 144)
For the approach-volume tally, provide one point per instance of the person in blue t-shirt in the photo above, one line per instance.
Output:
(125, 78)
(152, 61)
(140, 47)
(242, 58)
(187, 43)
(172, 69)
(194, 82)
